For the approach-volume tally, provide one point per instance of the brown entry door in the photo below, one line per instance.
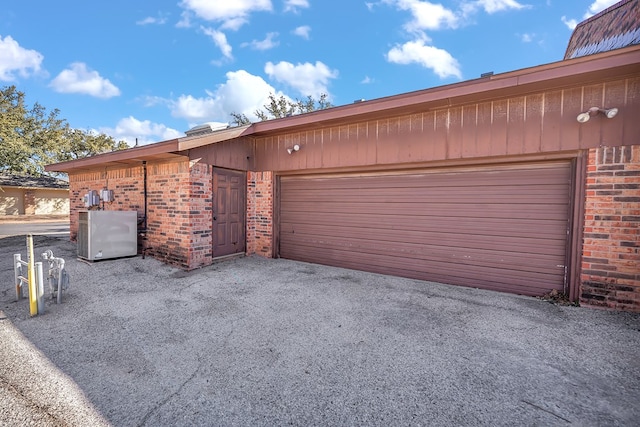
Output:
(229, 193)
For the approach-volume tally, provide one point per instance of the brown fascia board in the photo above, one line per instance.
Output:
(584, 70)
(159, 150)
(188, 143)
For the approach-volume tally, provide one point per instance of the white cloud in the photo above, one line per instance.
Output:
(159, 20)
(594, 8)
(152, 101)
(185, 20)
(438, 60)
(303, 31)
(129, 129)
(80, 79)
(242, 93)
(527, 38)
(493, 6)
(426, 15)
(294, 5)
(266, 44)
(430, 16)
(15, 59)
(599, 6)
(231, 14)
(196, 109)
(367, 80)
(220, 39)
(308, 79)
(570, 23)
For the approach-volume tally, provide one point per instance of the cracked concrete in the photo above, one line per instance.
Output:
(258, 341)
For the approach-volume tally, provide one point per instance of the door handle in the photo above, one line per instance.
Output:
(215, 218)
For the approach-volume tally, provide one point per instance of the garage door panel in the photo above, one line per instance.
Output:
(11, 201)
(501, 257)
(503, 229)
(443, 272)
(547, 175)
(470, 210)
(360, 237)
(499, 194)
(480, 226)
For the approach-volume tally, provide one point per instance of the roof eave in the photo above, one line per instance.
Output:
(190, 142)
(157, 151)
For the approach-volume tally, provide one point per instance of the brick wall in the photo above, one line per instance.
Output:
(260, 198)
(611, 248)
(201, 215)
(127, 185)
(168, 223)
(178, 207)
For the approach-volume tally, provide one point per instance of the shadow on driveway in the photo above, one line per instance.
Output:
(256, 341)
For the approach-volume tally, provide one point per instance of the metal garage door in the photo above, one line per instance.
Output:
(11, 201)
(503, 228)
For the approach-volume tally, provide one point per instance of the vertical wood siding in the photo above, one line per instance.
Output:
(532, 124)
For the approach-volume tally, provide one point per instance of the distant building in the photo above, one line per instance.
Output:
(616, 27)
(26, 195)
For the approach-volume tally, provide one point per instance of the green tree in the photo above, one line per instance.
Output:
(281, 107)
(239, 119)
(79, 144)
(31, 137)
(27, 135)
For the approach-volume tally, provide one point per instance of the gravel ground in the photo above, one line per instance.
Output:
(254, 341)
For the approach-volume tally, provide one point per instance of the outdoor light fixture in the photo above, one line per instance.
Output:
(292, 149)
(593, 111)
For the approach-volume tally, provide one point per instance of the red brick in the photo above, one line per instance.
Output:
(608, 233)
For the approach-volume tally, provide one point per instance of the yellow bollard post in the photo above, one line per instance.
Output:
(33, 293)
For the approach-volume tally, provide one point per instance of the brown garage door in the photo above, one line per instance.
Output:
(502, 228)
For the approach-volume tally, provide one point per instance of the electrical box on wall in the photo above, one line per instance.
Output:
(106, 195)
(91, 199)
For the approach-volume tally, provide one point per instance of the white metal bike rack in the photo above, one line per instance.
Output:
(29, 274)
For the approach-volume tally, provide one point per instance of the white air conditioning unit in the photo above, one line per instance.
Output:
(107, 234)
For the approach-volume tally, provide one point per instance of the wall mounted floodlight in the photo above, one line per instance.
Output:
(293, 149)
(593, 111)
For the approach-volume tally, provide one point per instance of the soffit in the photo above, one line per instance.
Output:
(132, 156)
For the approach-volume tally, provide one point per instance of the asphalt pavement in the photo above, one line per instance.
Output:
(44, 225)
(255, 341)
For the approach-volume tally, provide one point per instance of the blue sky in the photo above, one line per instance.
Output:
(153, 69)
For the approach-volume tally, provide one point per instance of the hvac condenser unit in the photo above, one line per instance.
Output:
(107, 234)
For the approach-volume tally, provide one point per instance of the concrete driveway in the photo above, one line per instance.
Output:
(255, 341)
